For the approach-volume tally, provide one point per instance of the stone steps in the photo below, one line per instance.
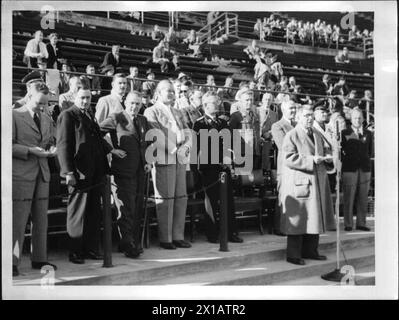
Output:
(260, 264)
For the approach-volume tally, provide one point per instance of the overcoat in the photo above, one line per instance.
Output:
(307, 206)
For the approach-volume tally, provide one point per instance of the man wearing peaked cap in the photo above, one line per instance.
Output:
(31, 77)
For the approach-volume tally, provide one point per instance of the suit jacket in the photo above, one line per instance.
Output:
(66, 100)
(134, 84)
(207, 123)
(81, 148)
(159, 119)
(279, 130)
(128, 139)
(149, 88)
(53, 56)
(236, 123)
(356, 152)
(107, 105)
(109, 59)
(25, 134)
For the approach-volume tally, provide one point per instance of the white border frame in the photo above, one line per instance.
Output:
(386, 204)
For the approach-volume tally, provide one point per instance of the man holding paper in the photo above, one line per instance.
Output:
(32, 145)
(305, 191)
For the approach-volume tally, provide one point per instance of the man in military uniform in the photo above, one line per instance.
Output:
(209, 171)
(28, 80)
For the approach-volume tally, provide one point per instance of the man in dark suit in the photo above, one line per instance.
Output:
(54, 52)
(82, 156)
(113, 58)
(128, 172)
(210, 171)
(279, 130)
(356, 170)
(247, 117)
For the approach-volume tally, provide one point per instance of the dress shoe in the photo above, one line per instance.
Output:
(318, 257)
(298, 261)
(348, 228)
(92, 255)
(279, 233)
(363, 228)
(181, 244)
(76, 258)
(15, 272)
(39, 265)
(213, 240)
(132, 253)
(235, 238)
(167, 245)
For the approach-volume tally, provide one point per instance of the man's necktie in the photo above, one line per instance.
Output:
(136, 125)
(38, 47)
(310, 134)
(293, 123)
(37, 121)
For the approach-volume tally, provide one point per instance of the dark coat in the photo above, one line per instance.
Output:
(207, 123)
(80, 146)
(129, 140)
(53, 56)
(109, 59)
(356, 153)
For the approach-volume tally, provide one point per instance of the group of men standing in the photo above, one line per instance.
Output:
(84, 139)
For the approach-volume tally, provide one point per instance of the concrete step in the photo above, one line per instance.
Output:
(364, 276)
(241, 256)
(275, 272)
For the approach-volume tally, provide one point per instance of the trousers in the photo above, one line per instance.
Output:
(304, 245)
(355, 189)
(22, 189)
(170, 181)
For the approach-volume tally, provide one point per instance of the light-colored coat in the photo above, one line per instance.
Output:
(159, 119)
(107, 105)
(25, 134)
(307, 206)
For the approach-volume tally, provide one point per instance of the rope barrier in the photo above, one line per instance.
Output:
(203, 189)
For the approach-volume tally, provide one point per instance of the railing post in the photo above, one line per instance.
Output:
(224, 185)
(107, 237)
(227, 31)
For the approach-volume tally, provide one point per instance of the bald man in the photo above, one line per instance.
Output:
(169, 173)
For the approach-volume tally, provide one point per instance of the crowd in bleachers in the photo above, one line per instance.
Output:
(256, 104)
(315, 33)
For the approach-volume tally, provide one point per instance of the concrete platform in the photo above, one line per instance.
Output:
(260, 260)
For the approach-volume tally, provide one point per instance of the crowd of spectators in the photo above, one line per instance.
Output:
(315, 33)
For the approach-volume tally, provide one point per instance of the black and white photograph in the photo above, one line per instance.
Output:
(199, 150)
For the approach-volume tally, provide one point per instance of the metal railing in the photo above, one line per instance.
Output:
(224, 24)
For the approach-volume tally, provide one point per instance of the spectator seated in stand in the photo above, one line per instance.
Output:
(106, 86)
(113, 58)
(93, 82)
(157, 34)
(54, 52)
(252, 50)
(342, 56)
(149, 85)
(35, 51)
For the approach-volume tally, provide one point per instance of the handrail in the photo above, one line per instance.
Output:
(194, 84)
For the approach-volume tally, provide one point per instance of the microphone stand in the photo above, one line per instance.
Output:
(336, 275)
